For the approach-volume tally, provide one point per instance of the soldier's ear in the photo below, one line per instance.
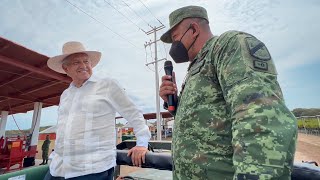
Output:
(195, 28)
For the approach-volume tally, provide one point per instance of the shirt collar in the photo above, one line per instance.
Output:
(92, 78)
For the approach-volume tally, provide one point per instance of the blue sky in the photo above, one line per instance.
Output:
(289, 28)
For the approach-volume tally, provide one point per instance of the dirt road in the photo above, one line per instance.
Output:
(308, 148)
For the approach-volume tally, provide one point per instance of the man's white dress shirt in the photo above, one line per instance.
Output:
(86, 136)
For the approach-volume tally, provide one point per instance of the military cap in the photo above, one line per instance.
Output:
(180, 14)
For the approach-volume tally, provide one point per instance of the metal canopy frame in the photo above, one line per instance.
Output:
(25, 79)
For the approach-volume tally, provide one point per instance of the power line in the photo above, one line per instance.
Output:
(124, 16)
(165, 50)
(102, 24)
(151, 12)
(147, 57)
(136, 13)
(151, 63)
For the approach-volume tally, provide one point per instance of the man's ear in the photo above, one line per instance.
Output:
(195, 28)
(65, 68)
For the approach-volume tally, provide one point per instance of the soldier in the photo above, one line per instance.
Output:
(45, 150)
(231, 120)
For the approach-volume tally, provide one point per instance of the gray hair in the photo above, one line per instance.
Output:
(66, 59)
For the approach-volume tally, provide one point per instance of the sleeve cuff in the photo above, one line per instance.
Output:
(142, 141)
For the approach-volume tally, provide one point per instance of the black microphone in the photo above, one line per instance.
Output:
(168, 70)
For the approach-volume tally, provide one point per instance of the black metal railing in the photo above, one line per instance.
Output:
(163, 161)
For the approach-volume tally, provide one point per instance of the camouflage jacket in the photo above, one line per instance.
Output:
(232, 121)
(45, 145)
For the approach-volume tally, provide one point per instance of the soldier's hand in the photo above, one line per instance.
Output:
(138, 155)
(167, 87)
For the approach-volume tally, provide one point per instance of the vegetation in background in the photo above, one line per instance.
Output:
(22, 132)
(309, 123)
(298, 112)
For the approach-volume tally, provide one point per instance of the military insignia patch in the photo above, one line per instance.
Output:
(260, 65)
(257, 49)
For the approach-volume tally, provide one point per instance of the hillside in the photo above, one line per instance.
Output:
(22, 132)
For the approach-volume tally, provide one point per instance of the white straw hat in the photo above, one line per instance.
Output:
(72, 47)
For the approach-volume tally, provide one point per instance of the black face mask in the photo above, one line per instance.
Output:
(179, 52)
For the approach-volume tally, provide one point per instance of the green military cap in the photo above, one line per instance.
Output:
(180, 14)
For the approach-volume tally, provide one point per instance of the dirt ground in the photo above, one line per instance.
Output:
(126, 170)
(308, 148)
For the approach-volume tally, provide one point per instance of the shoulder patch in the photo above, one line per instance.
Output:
(257, 49)
(260, 65)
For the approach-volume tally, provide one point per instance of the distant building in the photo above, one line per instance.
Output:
(51, 131)
(127, 128)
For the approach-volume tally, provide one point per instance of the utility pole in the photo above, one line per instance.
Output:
(154, 30)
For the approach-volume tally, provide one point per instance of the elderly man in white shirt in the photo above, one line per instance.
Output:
(85, 146)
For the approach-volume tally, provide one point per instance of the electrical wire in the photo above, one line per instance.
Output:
(124, 16)
(147, 58)
(152, 59)
(136, 13)
(102, 24)
(151, 12)
(165, 50)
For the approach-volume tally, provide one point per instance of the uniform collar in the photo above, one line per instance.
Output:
(202, 53)
(205, 47)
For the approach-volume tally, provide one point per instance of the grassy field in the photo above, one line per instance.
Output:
(310, 123)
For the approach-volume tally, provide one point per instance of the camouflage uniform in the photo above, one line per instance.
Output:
(45, 150)
(232, 121)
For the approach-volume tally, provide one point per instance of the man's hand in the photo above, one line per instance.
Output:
(138, 155)
(167, 87)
